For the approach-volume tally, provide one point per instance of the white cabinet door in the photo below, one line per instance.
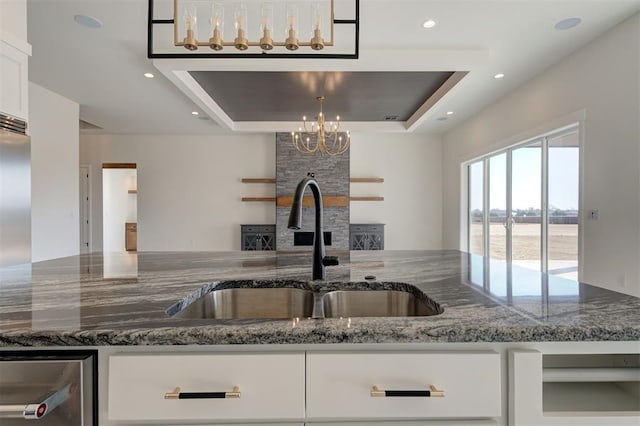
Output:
(422, 423)
(13, 81)
(339, 385)
(271, 387)
(528, 392)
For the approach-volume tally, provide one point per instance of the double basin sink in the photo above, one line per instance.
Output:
(281, 299)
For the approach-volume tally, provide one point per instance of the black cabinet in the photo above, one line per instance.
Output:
(258, 237)
(366, 236)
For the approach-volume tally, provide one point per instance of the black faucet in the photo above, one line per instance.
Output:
(295, 222)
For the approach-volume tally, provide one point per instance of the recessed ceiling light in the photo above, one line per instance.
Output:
(498, 76)
(429, 23)
(148, 75)
(568, 23)
(195, 112)
(449, 112)
(88, 21)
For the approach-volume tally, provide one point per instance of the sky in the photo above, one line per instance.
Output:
(526, 185)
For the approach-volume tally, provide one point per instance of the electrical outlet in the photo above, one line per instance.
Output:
(592, 214)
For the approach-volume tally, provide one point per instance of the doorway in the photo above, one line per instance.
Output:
(119, 207)
(523, 204)
(85, 209)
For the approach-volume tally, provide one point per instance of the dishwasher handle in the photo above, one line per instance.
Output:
(38, 410)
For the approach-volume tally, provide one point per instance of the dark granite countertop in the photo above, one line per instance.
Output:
(121, 299)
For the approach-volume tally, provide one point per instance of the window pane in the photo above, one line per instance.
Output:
(476, 211)
(498, 206)
(563, 206)
(526, 206)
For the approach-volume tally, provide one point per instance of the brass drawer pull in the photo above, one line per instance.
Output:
(176, 394)
(431, 393)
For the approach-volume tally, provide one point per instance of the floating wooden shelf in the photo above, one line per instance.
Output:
(268, 199)
(258, 180)
(307, 201)
(132, 191)
(367, 180)
(367, 198)
(352, 180)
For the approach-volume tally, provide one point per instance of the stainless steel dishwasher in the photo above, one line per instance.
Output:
(51, 387)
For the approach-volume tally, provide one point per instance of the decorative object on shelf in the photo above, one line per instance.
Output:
(200, 23)
(320, 138)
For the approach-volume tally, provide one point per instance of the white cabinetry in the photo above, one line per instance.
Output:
(14, 77)
(574, 389)
(408, 423)
(336, 388)
(270, 386)
(339, 385)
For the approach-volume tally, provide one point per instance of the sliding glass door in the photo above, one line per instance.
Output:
(525, 218)
(523, 204)
(563, 177)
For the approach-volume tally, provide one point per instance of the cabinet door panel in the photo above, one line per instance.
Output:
(339, 385)
(13, 81)
(408, 423)
(271, 387)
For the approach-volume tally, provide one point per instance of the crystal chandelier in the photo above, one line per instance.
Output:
(320, 137)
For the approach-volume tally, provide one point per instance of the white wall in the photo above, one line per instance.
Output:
(13, 18)
(189, 187)
(602, 82)
(54, 174)
(119, 206)
(412, 189)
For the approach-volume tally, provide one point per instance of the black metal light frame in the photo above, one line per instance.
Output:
(152, 55)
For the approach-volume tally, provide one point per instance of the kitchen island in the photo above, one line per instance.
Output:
(121, 299)
(118, 303)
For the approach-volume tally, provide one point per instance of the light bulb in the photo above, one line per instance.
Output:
(191, 20)
(291, 43)
(315, 16)
(240, 14)
(217, 26)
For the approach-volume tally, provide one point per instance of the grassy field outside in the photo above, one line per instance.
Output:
(562, 248)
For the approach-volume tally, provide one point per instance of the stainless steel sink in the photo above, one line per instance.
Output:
(243, 303)
(376, 303)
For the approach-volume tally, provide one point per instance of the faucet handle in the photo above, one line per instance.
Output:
(330, 260)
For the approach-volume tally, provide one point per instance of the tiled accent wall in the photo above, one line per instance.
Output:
(332, 174)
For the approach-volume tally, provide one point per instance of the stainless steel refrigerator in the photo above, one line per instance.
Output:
(15, 192)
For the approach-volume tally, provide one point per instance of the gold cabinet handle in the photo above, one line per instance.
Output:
(176, 394)
(431, 393)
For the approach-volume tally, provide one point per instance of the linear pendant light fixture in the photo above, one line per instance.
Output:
(216, 18)
(279, 29)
